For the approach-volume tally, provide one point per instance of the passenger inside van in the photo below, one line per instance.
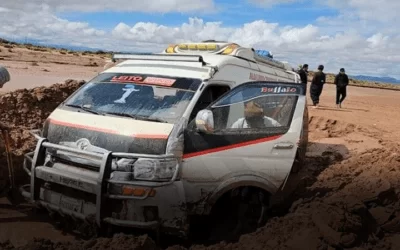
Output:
(254, 118)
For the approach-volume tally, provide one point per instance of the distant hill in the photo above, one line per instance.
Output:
(31, 42)
(382, 79)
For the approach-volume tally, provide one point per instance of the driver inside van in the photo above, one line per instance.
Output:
(254, 118)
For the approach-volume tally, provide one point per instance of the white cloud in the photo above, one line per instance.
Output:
(378, 40)
(336, 42)
(258, 33)
(43, 25)
(374, 39)
(4, 9)
(379, 10)
(365, 17)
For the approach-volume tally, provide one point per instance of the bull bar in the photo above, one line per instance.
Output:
(97, 187)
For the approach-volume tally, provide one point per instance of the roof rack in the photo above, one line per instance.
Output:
(158, 57)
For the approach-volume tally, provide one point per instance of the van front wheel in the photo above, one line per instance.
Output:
(240, 211)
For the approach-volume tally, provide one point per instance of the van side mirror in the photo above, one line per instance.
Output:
(205, 121)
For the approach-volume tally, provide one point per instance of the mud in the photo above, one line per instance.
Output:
(347, 195)
(26, 109)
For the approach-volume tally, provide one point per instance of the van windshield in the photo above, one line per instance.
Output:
(143, 97)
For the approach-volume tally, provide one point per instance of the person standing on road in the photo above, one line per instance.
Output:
(341, 82)
(317, 84)
(303, 72)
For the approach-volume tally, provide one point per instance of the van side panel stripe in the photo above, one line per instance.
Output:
(197, 144)
(237, 145)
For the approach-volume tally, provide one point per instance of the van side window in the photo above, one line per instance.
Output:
(254, 107)
(210, 94)
(262, 112)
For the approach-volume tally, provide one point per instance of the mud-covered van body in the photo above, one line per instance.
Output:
(149, 143)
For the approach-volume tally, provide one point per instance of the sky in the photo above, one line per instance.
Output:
(359, 35)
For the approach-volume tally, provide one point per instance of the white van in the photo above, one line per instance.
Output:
(157, 141)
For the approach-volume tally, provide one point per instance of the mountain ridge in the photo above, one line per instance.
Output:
(382, 79)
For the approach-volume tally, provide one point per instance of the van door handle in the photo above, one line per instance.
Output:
(284, 146)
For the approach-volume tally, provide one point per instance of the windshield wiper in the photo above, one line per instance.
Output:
(83, 108)
(146, 118)
(136, 117)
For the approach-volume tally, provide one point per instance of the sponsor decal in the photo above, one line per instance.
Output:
(150, 80)
(279, 90)
(141, 80)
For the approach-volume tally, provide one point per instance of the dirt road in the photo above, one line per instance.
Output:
(31, 68)
(376, 108)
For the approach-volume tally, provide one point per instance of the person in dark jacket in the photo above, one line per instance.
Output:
(317, 84)
(341, 82)
(303, 72)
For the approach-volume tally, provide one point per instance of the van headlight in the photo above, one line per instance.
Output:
(155, 169)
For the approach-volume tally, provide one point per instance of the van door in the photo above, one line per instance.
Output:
(257, 126)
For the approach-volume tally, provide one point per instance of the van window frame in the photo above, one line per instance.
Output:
(192, 115)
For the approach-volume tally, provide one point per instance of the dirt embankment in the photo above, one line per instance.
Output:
(27, 109)
(347, 196)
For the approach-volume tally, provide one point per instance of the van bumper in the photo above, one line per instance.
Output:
(94, 196)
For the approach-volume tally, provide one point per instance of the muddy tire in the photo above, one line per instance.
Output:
(238, 213)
